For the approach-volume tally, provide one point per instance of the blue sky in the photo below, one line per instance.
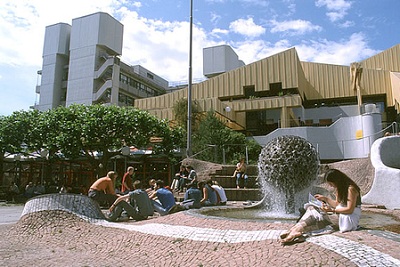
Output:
(156, 34)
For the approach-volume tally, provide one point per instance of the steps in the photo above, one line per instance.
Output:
(252, 194)
(224, 177)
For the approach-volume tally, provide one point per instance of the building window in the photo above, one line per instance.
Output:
(249, 91)
(150, 76)
(275, 88)
(123, 79)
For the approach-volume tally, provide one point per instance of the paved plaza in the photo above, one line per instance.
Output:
(58, 238)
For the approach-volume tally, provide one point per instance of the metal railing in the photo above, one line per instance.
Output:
(345, 146)
(214, 149)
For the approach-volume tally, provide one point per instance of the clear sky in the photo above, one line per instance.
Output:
(156, 34)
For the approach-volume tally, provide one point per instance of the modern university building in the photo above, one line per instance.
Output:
(81, 65)
(340, 109)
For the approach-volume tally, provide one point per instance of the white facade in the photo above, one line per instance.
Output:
(81, 65)
(55, 58)
(219, 59)
(385, 157)
(92, 37)
(347, 138)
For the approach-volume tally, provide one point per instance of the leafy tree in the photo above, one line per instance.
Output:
(3, 146)
(95, 132)
(14, 133)
(209, 137)
(213, 136)
(104, 130)
(180, 110)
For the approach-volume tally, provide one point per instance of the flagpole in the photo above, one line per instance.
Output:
(189, 94)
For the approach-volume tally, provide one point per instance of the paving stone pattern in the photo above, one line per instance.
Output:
(57, 237)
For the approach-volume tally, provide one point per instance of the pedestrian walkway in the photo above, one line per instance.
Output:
(207, 241)
(359, 254)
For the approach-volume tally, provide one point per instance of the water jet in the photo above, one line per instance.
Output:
(288, 167)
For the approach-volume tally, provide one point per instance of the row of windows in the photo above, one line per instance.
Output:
(138, 85)
(125, 100)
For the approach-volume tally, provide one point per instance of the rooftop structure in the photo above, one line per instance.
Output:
(219, 59)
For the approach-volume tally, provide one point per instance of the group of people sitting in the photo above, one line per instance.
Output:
(342, 212)
(138, 202)
(184, 178)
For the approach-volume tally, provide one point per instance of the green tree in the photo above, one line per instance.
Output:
(103, 130)
(14, 134)
(95, 132)
(180, 110)
(213, 137)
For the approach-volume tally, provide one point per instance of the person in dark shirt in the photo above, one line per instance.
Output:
(136, 203)
(192, 197)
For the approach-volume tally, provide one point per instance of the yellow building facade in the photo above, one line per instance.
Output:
(281, 83)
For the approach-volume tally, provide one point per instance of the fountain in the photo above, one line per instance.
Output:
(288, 165)
(287, 169)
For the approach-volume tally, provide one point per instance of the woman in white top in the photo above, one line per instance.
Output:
(221, 193)
(345, 209)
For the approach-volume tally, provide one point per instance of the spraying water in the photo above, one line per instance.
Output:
(288, 166)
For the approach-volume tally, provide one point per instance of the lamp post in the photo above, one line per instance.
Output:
(125, 151)
(189, 95)
(44, 153)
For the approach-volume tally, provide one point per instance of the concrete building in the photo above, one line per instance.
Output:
(219, 59)
(340, 109)
(81, 65)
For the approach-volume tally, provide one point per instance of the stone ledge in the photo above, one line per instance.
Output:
(81, 205)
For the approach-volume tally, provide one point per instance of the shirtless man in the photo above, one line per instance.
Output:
(102, 190)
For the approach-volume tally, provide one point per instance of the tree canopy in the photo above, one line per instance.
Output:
(214, 136)
(96, 132)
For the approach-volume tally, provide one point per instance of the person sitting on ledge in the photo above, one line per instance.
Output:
(152, 185)
(182, 174)
(221, 196)
(209, 194)
(102, 190)
(240, 173)
(126, 185)
(343, 212)
(193, 195)
(186, 181)
(136, 203)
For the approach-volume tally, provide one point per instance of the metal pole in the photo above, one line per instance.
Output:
(189, 95)
(223, 155)
(247, 156)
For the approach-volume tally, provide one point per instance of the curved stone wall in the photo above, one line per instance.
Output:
(80, 205)
(385, 157)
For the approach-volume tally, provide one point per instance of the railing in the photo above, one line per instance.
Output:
(185, 82)
(346, 145)
(227, 145)
(310, 122)
(214, 149)
(205, 150)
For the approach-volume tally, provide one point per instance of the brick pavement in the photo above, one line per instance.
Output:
(58, 238)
